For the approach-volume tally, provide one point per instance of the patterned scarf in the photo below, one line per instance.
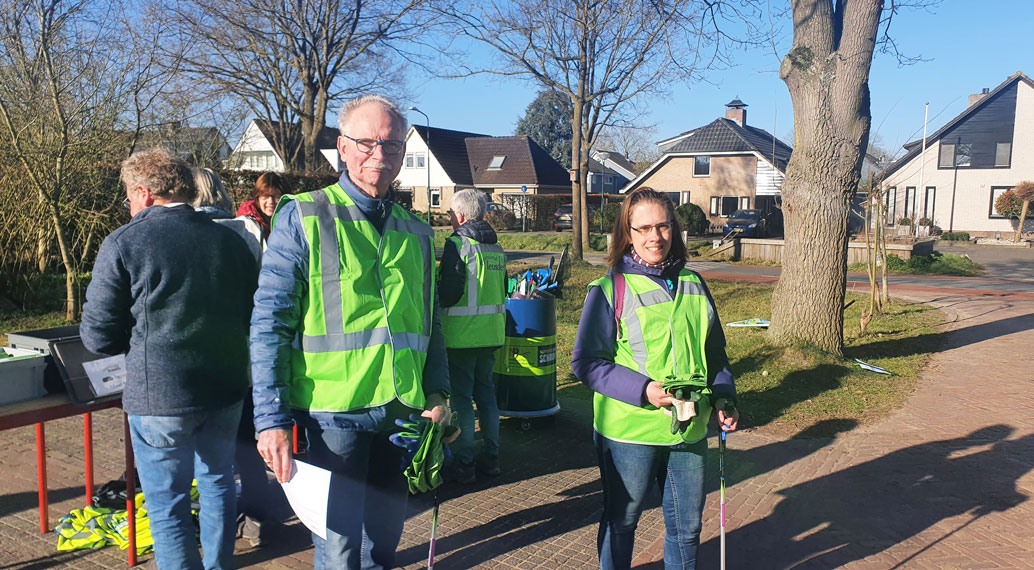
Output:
(668, 261)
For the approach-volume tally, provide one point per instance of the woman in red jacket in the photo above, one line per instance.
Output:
(268, 190)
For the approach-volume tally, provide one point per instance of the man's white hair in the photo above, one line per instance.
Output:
(471, 203)
(353, 104)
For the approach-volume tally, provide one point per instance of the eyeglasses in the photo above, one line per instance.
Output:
(126, 204)
(387, 147)
(663, 229)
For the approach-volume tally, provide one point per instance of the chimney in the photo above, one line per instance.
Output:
(736, 110)
(977, 97)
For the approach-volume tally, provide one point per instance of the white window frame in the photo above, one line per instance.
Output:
(421, 160)
(436, 197)
(497, 162)
(410, 160)
(744, 202)
(996, 191)
(695, 159)
(1008, 155)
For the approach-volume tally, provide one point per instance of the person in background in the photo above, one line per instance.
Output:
(172, 291)
(668, 327)
(259, 499)
(268, 189)
(472, 292)
(346, 338)
(213, 202)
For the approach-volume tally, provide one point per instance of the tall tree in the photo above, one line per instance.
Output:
(601, 54)
(547, 120)
(827, 74)
(71, 75)
(290, 61)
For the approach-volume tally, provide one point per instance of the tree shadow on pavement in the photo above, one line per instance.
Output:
(760, 408)
(943, 341)
(865, 509)
(17, 502)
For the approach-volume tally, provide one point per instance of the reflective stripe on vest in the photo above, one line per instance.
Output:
(661, 336)
(366, 320)
(478, 319)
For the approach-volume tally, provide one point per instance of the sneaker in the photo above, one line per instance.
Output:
(460, 472)
(252, 531)
(489, 465)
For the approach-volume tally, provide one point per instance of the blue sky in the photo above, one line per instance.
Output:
(969, 46)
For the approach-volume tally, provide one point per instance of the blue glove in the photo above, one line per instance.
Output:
(409, 438)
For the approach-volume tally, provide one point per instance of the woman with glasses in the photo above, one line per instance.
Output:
(650, 345)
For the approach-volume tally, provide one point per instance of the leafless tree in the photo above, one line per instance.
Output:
(290, 61)
(602, 54)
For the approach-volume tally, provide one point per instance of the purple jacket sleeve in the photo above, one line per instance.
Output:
(593, 359)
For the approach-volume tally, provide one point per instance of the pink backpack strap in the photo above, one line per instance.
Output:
(618, 280)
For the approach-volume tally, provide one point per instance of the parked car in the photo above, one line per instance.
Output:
(563, 220)
(496, 207)
(750, 223)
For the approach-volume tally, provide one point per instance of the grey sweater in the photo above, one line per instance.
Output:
(172, 290)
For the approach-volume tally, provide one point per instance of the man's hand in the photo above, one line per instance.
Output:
(274, 445)
(656, 395)
(436, 409)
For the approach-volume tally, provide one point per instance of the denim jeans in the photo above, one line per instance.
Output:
(628, 471)
(470, 375)
(170, 452)
(368, 494)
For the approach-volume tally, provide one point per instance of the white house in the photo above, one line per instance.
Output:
(255, 150)
(969, 162)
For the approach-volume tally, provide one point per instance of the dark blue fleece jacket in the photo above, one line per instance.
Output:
(173, 289)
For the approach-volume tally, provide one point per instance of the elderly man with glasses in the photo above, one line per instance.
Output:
(346, 337)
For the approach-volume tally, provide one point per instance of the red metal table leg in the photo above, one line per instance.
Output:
(130, 493)
(88, 447)
(41, 478)
(294, 433)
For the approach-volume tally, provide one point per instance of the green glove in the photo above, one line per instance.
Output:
(425, 472)
(687, 389)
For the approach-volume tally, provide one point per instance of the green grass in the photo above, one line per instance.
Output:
(803, 388)
(532, 241)
(933, 264)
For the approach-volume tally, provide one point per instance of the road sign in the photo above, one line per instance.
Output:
(524, 188)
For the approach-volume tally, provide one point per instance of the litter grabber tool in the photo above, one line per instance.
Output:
(727, 407)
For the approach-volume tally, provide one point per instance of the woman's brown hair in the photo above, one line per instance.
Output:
(269, 184)
(622, 238)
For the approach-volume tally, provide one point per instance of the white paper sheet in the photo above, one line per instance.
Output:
(308, 492)
(872, 367)
(107, 375)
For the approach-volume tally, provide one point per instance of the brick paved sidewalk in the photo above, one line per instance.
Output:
(943, 483)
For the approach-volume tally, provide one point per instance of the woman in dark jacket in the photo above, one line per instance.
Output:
(268, 189)
(666, 332)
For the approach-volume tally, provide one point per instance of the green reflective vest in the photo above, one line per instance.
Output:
(478, 319)
(658, 337)
(366, 320)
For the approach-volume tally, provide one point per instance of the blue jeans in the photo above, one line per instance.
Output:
(628, 470)
(470, 375)
(171, 451)
(368, 494)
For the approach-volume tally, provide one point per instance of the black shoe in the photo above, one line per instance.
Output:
(489, 465)
(460, 472)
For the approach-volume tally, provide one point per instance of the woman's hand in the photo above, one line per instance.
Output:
(656, 395)
(728, 421)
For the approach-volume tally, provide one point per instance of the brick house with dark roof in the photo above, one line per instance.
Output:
(721, 167)
(503, 165)
(448, 166)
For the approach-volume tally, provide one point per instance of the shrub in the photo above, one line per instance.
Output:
(905, 221)
(955, 236)
(501, 220)
(925, 222)
(692, 219)
(610, 214)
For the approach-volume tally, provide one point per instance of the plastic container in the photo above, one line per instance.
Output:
(525, 367)
(39, 340)
(21, 375)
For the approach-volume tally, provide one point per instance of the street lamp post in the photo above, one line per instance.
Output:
(427, 160)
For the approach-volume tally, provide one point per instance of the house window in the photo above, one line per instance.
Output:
(497, 162)
(728, 205)
(701, 166)
(1003, 154)
(996, 191)
(714, 205)
(420, 160)
(946, 159)
(963, 154)
(436, 197)
(409, 160)
(685, 197)
(674, 197)
(892, 205)
(744, 202)
(930, 202)
(910, 192)
(415, 160)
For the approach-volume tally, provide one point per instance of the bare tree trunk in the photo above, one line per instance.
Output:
(827, 73)
(1023, 218)
(576, 187)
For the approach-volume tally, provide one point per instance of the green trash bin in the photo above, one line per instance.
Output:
(525, 367)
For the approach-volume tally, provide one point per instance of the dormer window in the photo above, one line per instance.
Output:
(497, 162)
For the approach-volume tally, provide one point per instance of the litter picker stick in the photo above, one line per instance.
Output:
(434, 529)
(721, 474)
